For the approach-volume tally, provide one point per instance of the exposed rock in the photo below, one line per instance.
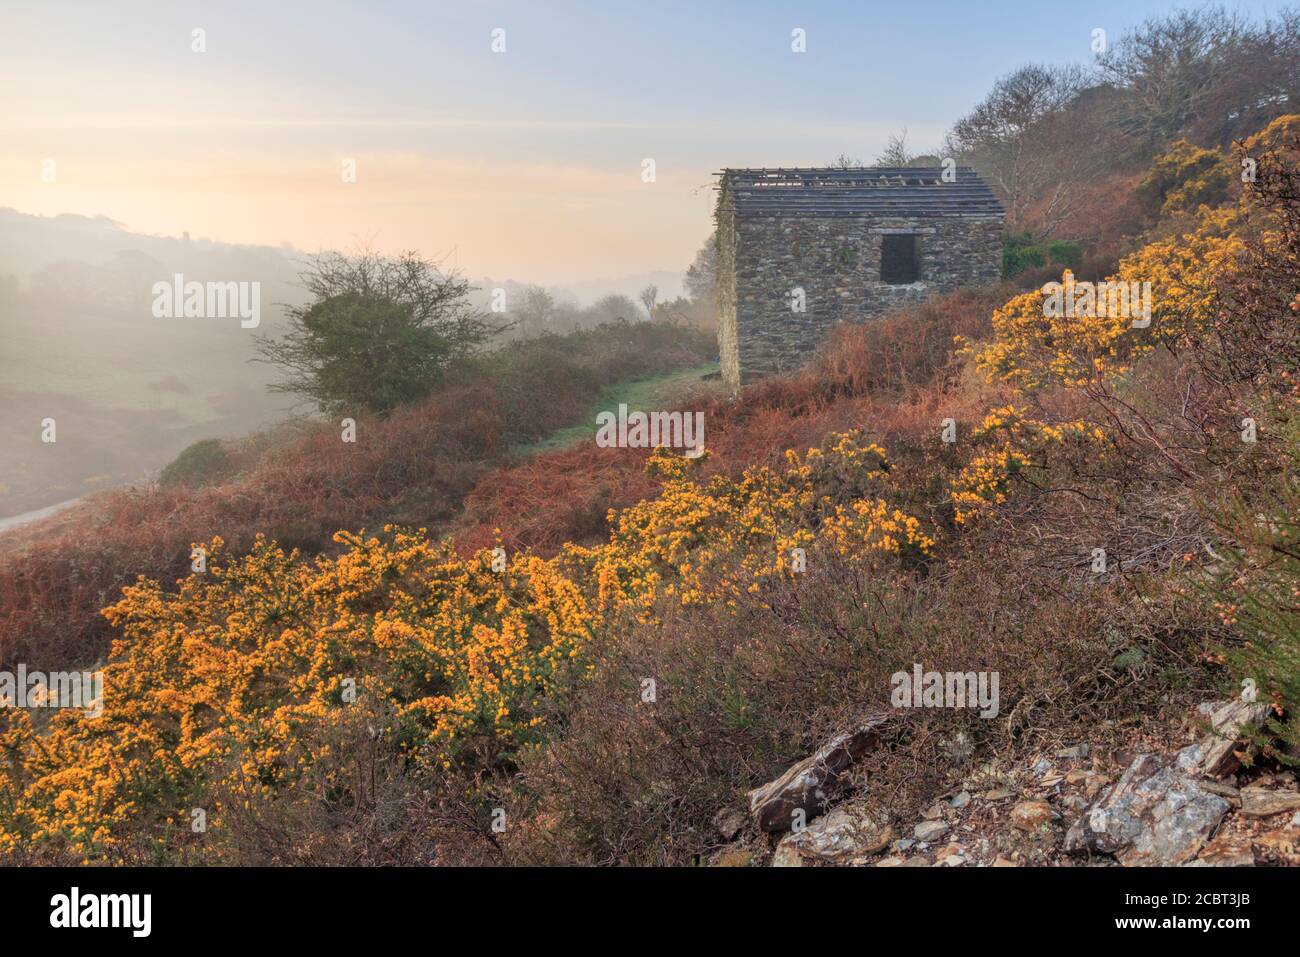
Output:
(1075, 802)
(811, 784)
(1214, 755)
(786, 856)
(728, 822)
(917, 861)
(928, 831)
(890, 862)
(1227, 791)
(1264, 802)
(1154, 815)
(1094, 783)
(961, 800)
(903, 844)
(934, 812)
(954, 855)
(1226, 851)
(1031, 815)
(846, 832)
(1278, 849)
(1078, 751)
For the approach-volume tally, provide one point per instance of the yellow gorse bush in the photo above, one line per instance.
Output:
(1034, 349)
(706, 542)
(1183, 273)
(1012, 444)
(217, 687)
(217, 681)
(1037, 348)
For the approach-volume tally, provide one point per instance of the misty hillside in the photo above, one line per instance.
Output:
(79, 344)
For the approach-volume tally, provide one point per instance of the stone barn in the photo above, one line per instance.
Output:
(802, 249)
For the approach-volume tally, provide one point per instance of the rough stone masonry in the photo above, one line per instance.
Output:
(802, 249)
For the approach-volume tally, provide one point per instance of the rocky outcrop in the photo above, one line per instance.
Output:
(1279, 848)
(844, 836)
(1189, 807)
(1215, 755)
(1156, 814)
(1163, 810)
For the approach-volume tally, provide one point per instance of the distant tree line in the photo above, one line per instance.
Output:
(1053, 140)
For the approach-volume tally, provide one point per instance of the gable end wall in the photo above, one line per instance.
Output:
(836, 262)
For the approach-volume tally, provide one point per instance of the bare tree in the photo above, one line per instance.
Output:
(1025, 137)
(895, 154)
(702, 275)
(649, 296)
(1206, 74)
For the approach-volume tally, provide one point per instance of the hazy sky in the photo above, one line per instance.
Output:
(526, 163)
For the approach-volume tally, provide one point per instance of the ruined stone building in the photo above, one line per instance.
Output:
(802, 249)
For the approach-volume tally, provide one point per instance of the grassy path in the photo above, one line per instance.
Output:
(650, 394)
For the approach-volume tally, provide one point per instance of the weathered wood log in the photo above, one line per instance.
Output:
(811, 784)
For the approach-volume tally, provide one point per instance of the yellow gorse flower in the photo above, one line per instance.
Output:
(219, 683)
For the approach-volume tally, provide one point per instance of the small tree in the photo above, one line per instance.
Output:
(378, 332)
(538, 312)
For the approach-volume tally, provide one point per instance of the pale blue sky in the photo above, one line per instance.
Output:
(527, 162)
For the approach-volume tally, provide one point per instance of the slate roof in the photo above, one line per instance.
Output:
(874, 190)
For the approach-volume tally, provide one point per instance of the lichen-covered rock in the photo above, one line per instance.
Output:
(1215, 754)
(928, 831)
(1226, 851)
(1156, 814)
(845, 834)
(1279, 848)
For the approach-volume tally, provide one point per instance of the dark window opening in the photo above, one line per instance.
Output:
(900, 259)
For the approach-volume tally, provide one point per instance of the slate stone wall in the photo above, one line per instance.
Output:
(763, 260)
(728, 350)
